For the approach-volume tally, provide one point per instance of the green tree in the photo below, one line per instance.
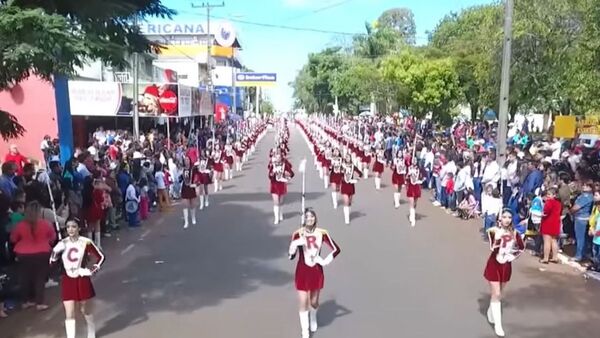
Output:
(473, 39)
(56, 36)
(400, 20)
(424, 85)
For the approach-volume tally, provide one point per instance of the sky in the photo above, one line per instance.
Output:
(285, 51)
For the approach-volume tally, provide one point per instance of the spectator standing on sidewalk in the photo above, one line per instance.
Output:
(581, 214)
(550, 227)
(32, 239)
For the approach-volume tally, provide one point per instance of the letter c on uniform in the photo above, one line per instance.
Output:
(72, 255)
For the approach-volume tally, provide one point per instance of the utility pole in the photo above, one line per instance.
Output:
(505, 82)
(233, 93)
(209, 84)
(136, 91)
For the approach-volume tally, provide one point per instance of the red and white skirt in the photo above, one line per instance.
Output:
(278, 188)
(398, 179)
(229, 160)
(378, 167)
(496, 272)
(336, 178)
(218, 167)
(309, 279)
(204, 178)
(348, 189)
(188, 192)
(77, 289)
(413, 190)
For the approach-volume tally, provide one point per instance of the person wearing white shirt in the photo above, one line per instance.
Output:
(490, 171)
(131, 196)
(161, 188)
(556, 147)
(461, 181)
(491, 206)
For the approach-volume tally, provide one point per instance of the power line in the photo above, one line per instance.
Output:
(318, 10)
(262, 24)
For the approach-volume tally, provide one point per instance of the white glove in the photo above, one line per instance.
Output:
(323, 261)
(295, 244)
(83, 272)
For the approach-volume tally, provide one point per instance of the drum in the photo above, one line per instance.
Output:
(131, 206)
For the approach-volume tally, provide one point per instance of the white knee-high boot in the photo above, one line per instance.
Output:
(280, 213)
(326, 181)
(98, 239)
(193, 212)
(216, 184)
(304, 324)
(276, 214)
(313, 319)
(366, 172)
(334, 199)
(490, 315)
(201, 202)
(377, 183)
(186, 212)
(396, 200)
(91, 326)
(70, 328)
(206, 200)
(497, 314)
(412, 217)
(347, 214)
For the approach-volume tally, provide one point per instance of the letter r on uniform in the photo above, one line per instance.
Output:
(310, 242)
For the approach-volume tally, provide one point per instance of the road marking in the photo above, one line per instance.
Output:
(127, 249)
(145, 234)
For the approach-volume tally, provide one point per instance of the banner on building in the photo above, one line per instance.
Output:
(93, 98)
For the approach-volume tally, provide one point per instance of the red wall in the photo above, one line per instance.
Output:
(32, 102)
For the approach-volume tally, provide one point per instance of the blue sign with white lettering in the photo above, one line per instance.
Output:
(255, 79)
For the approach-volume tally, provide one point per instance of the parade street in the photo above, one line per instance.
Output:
(229, 275)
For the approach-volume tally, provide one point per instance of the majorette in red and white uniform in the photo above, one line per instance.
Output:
(204, 169)
(336, 175)
(218, 160)
(327, 154)
(280, 172)
(229, 155)
(506, 245)
(378, 167)
(190, 179)
(414, 179)
(309, 279)
(76, 283)
(240, 151)
(399, 169)
(366, 159)
(351, 176)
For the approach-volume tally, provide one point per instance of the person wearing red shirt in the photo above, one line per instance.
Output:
(14, 156)
(32, 239)
(550, 226)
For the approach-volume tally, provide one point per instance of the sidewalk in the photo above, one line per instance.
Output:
(564, 258)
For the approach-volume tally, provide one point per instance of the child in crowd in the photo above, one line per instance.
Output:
(450, 195)
(468, 206)
(491, 206)
(144, 200)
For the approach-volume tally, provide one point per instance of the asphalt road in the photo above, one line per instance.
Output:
(229, 276)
